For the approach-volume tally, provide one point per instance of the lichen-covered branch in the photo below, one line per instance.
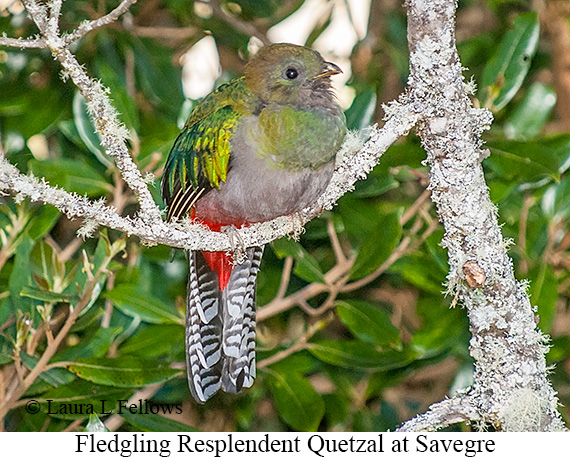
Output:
(461, 408)
(112, 133)
(22, 43)
(511, 387)
(89, 26)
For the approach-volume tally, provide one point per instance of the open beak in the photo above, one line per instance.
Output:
(329, 69)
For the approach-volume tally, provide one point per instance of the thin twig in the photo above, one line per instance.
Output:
(449, 411)
(54, 13)
(73, 426)
(299, 345)
(23, 43)
(527, 205)
(172, 33)
(412, 210)
(396, 254)
(277, 306)
(72, 247)
(285, 277)
(106, 319)
(402, 249)
(244, 27)
(335, 242)
(87, 27)
(147, 392)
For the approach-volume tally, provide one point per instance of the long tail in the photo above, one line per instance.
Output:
(220, 326)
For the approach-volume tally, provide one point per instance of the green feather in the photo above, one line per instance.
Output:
(298, 139)
(202, 150)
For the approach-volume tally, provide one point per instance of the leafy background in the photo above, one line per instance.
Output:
(355, 332)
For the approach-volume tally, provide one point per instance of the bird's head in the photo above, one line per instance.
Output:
(288, 73)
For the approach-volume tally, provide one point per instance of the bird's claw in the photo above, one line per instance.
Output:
(237, 244)
(297, 226)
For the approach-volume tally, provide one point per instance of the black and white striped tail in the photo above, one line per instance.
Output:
(220, 327)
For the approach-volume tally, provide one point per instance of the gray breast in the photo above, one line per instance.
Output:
(257, 190)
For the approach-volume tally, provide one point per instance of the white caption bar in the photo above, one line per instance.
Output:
(129, 444)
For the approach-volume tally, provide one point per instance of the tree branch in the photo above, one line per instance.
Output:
(511, 385)
(89, 26)
(23, 43)
(446, 412)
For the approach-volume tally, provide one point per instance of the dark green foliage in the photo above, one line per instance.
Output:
(362, 358)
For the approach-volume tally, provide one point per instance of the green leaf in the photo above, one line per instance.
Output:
(54, 377)
(336, 409)
(96, 346)
(95, 425)
(474, 51)
(155, 341)
(417, 269)
(378, 246)
(155, 422)
(361, 112)
(505, 72)
(359, 217)
(21, 277)
(160, 80)
(319, 28)
(361, 355)
(556, 200)
(122, 371)
(442, 329)
(544, 295)
(130, 300)
(81, 278)
(375, 184)
(559, 349)
(533, 162)
(368, 322)
(530, 115)
(46, 295)
(298, 404)
(306, 266)
(271, 10)
(87, 132)
(300, 362)
(43, 220)
(73, 175)
(26, 115)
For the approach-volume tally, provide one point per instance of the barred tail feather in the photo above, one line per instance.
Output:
(203, 330)
(220, 326)
(238, 344)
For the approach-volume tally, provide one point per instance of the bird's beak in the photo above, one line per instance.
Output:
(329, 69)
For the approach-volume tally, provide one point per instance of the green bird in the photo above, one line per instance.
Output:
(257, 147)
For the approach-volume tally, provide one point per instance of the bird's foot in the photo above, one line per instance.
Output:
(297, 226)
(237, 245)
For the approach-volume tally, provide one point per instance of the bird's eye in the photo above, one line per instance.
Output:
(291, 73)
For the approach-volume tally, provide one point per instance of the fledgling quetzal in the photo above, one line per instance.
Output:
(258, 147)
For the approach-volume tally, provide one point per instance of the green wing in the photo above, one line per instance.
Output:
(199, 159)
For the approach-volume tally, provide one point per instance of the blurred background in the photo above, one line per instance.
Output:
(355, 331)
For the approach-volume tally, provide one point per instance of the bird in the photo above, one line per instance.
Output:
(260, 146)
